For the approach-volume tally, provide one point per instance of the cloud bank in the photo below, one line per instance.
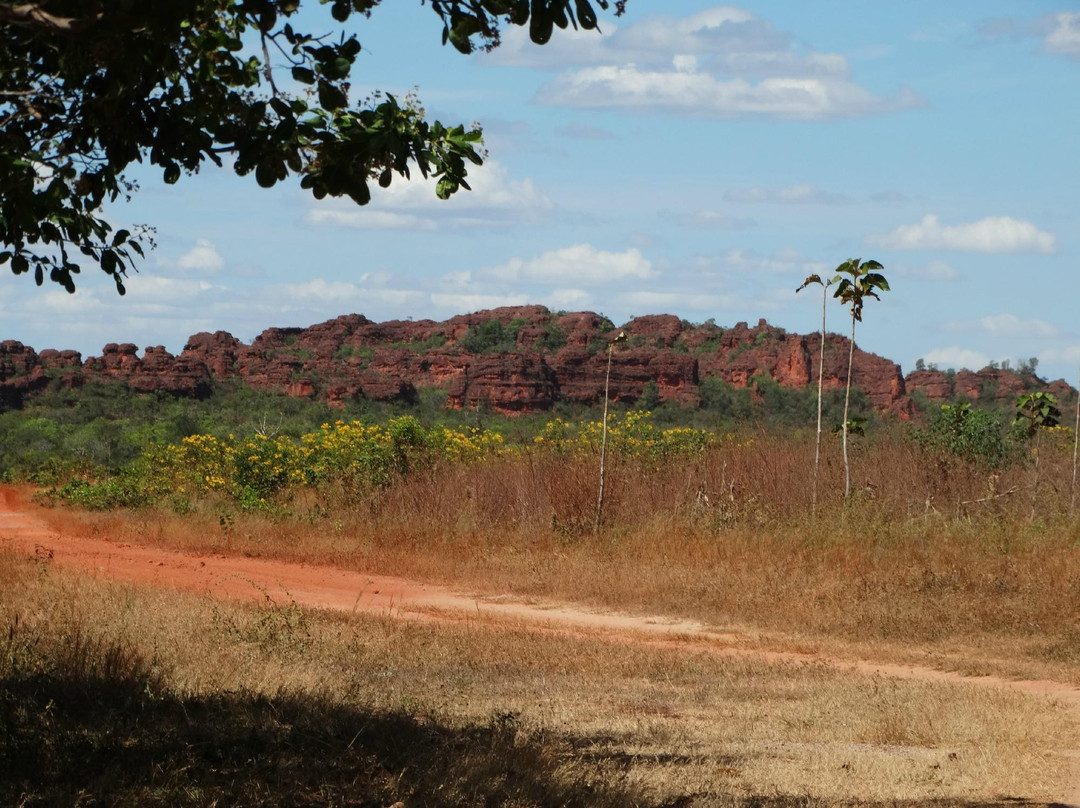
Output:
(722, 62)
(994, 234)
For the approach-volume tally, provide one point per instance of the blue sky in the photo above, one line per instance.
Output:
(694, 159)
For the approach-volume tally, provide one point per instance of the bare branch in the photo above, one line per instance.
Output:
(267, 69)
(32, 15)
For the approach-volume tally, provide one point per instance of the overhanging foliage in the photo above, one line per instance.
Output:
(87, 89)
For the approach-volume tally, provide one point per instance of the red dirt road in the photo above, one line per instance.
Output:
(322, 587)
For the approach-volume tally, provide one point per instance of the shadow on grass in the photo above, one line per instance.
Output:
(115, 736)
(95, 741)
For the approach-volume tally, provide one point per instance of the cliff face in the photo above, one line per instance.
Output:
(512, 360)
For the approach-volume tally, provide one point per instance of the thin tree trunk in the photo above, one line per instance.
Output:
(1035, 487)
(820, 379)
(1076, 448)
(847, 403)
(603, 447)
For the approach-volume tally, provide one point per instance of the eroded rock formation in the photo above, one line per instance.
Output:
(511, 360)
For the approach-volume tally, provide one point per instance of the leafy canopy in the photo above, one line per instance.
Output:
(861, 282)
(87, 88)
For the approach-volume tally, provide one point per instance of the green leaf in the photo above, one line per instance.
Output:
(336, 69)
(585, 14)
(265, 175)
(331, 97)
(340, 10)
(109, 262)
(445, 188)
(460, 41)
(360, 194)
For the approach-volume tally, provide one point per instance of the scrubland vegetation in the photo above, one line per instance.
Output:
(936, 546)
(947, 554)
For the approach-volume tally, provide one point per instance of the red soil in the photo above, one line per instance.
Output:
(323, 587)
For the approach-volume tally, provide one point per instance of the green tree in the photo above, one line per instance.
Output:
(856, 283)
(811, 279)
(649, 399)
(88, 88)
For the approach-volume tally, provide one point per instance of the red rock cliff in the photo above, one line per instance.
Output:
(513, 360)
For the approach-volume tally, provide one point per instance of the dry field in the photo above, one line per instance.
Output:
(127, 694)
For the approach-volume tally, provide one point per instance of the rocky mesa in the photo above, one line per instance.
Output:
(511, 360)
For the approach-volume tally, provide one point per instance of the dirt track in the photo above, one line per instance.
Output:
(330, 588)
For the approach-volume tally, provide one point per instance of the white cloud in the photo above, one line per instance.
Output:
(568, 299)
(955, 357)
(1005, 325)
(1059, 32)
(729, 40)
(337, 296)
(202, 258)
(83, 303)
(684, 62)
(1068, 355)
(462, 303)
(495, 198)
(570, 47)
(1065, 36)
(492, 189)
(370, 219)
(933, 271)
(579, 264)
(657, 302)
(791, 195)
(679, 65)
(703, 95)
(166, 293)
(783, 262)
(712, 220)
(995, 234)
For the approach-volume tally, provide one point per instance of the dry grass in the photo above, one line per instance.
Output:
(903, 570)
(119, 695)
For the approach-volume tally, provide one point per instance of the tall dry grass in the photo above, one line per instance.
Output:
(119, 695)
(930, 551)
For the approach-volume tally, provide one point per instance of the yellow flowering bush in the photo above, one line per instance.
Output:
(631, 434)
(199, 463)
(254, 470)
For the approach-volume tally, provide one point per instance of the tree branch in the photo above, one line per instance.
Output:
(32, 15)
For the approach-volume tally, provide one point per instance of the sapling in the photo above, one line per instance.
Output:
(820, 377)
(1034, 413)
(860, 284)
(603, 432)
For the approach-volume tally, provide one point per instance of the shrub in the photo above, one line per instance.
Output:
(492, 337)
(969, 433)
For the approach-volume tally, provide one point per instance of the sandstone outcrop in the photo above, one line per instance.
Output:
(513, 360)
(989, 385)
